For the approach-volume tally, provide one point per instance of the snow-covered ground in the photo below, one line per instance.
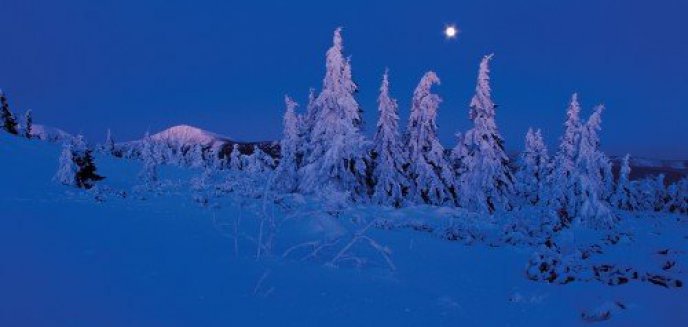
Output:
(163, 259)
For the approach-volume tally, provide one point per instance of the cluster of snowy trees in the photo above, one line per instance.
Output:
(9, 121)
(323, 151)
(154, 153)
(77, 167)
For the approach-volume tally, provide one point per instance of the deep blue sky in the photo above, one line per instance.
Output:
(224, 66)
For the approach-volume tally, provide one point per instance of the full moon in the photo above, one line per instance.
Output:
(450, 32)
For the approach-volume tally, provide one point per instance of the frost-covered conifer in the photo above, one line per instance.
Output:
(149, 172)
(287, 171)
(86, 174)
(109, 145)
(607, 176)
(28, 124)
(678, 197)
(623, 197)
(602, 165)
(335, 152)
(307, 120)
(66, 173)
(235, 162)
(213, 160)
(9, 122)
(532, 177)
(389, 157)
(432, 180)
(563, 176)
(651, 193)
(195, 156)
(486, 182)
(588, 206)
(163, 153)
(259, 161)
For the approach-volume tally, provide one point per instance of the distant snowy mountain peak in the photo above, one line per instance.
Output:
(182, 135)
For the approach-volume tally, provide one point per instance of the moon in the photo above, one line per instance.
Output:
(451, 31)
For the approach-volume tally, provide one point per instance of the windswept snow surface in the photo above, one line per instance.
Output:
(159, 258)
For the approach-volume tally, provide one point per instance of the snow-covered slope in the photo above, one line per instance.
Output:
(50, 134)
(159, 259)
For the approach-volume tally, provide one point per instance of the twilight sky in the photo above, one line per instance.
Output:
(225, 66)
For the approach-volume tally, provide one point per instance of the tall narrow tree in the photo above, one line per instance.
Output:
(9, 122)
(563, 176)
(66, 173)
(486, 182)
(28, 124)
(432, 180)
(588, 207)
(307, 119)
(335, 152)
(109, 145)
(287, 171)
(388, 155)
(149, 171)
(623, 194)
(235, 163)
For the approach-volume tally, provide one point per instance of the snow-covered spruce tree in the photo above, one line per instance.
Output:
(149, 171)
(658, 195)
(307, 120)
(259, 161)
(589, 208)
(648, 192)
(66, 173)
(211, 166)
(194, 156)
(9, 122)
(678, 197)
(86, 174)
(164, 153)
(335, 156)
(28, 124)
(564, 173)
(287, 171)
(109, 145)
(607, 177)
(534, 169)
(213, 160)
(623, 197)
(432, 180)
(388, 155)
(235, 163)
(486, 182)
